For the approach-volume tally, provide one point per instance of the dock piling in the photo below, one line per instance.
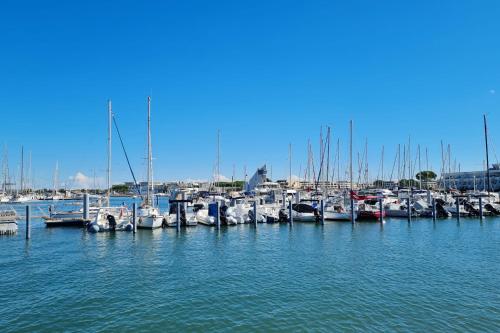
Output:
(178, 217)
(217, 216)
(408, 209)
(255, 213)
(322, 205)
(457, 202)
(433, 210)
(28, 222)
(353, 220)
(86, 206)
(481, 208)
(381, 207)
(134, 217)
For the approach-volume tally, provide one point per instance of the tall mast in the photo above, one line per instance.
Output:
(487, 154)
(218, 156)
(108, 178)
(30, 180)
(290, 165)
(399, 162)
(410, 176)
(150, 158)
(419, 169)
(443, 178)
(22, 169)
(338, 163)
(350, 153)
(328, 155)
(321, 151)
(382, 162)
(350, 172)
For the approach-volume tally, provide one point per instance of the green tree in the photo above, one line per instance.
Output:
(120, 188)
(426, 175)
(408, 183)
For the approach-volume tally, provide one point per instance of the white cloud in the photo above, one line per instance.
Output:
(221, 178)
(80, 180)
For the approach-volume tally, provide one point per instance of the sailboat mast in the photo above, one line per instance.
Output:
(108, 178)
(338, 163)
(328, 157)
(350, 153)
(150, 159)
(290, 165)
(487, 154)
(419, 169)
(29, 181)
(382, 171)
(350, 171)
(218, 156)
(22, 169)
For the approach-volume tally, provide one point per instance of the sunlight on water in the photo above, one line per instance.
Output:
(422, 276)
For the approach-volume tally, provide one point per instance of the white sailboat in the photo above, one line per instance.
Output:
(148, 216)
(110, 218)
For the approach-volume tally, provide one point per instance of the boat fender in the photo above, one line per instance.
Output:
(93, 228)
(128, 227)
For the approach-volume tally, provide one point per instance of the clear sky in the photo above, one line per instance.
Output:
(266, 73)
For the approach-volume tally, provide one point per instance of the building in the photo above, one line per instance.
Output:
(259, 178)
(472, 180)
(158, 187)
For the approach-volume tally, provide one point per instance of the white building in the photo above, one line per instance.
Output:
(472, 180)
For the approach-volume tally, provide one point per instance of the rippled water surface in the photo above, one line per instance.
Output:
(422, 276)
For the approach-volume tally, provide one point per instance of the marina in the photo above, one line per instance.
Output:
(337, 267)
(262, 166)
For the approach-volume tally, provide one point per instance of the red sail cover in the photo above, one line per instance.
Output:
(356, 197)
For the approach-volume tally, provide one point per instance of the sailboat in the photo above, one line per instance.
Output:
(148, 216)
(110, 218)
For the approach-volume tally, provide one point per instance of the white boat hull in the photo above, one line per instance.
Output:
(149, 222)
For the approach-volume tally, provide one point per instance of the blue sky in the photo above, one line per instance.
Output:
(266, 73)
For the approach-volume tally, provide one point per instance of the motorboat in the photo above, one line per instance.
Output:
(111, 219)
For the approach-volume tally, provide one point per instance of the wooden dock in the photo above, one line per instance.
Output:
(71, 222)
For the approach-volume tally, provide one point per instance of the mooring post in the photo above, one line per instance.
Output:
(322, 205)
(283, 197)
(86, 206)
(458, 209)
(290, 216)
(381, 210)
(255, 213)
(28, 224)
(134, 217)
(433, 209)
(408, 209)
(353, 220)
(178, 217)
(481, 208)
(217, 216)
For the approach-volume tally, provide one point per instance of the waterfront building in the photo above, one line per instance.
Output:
(472, 180)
